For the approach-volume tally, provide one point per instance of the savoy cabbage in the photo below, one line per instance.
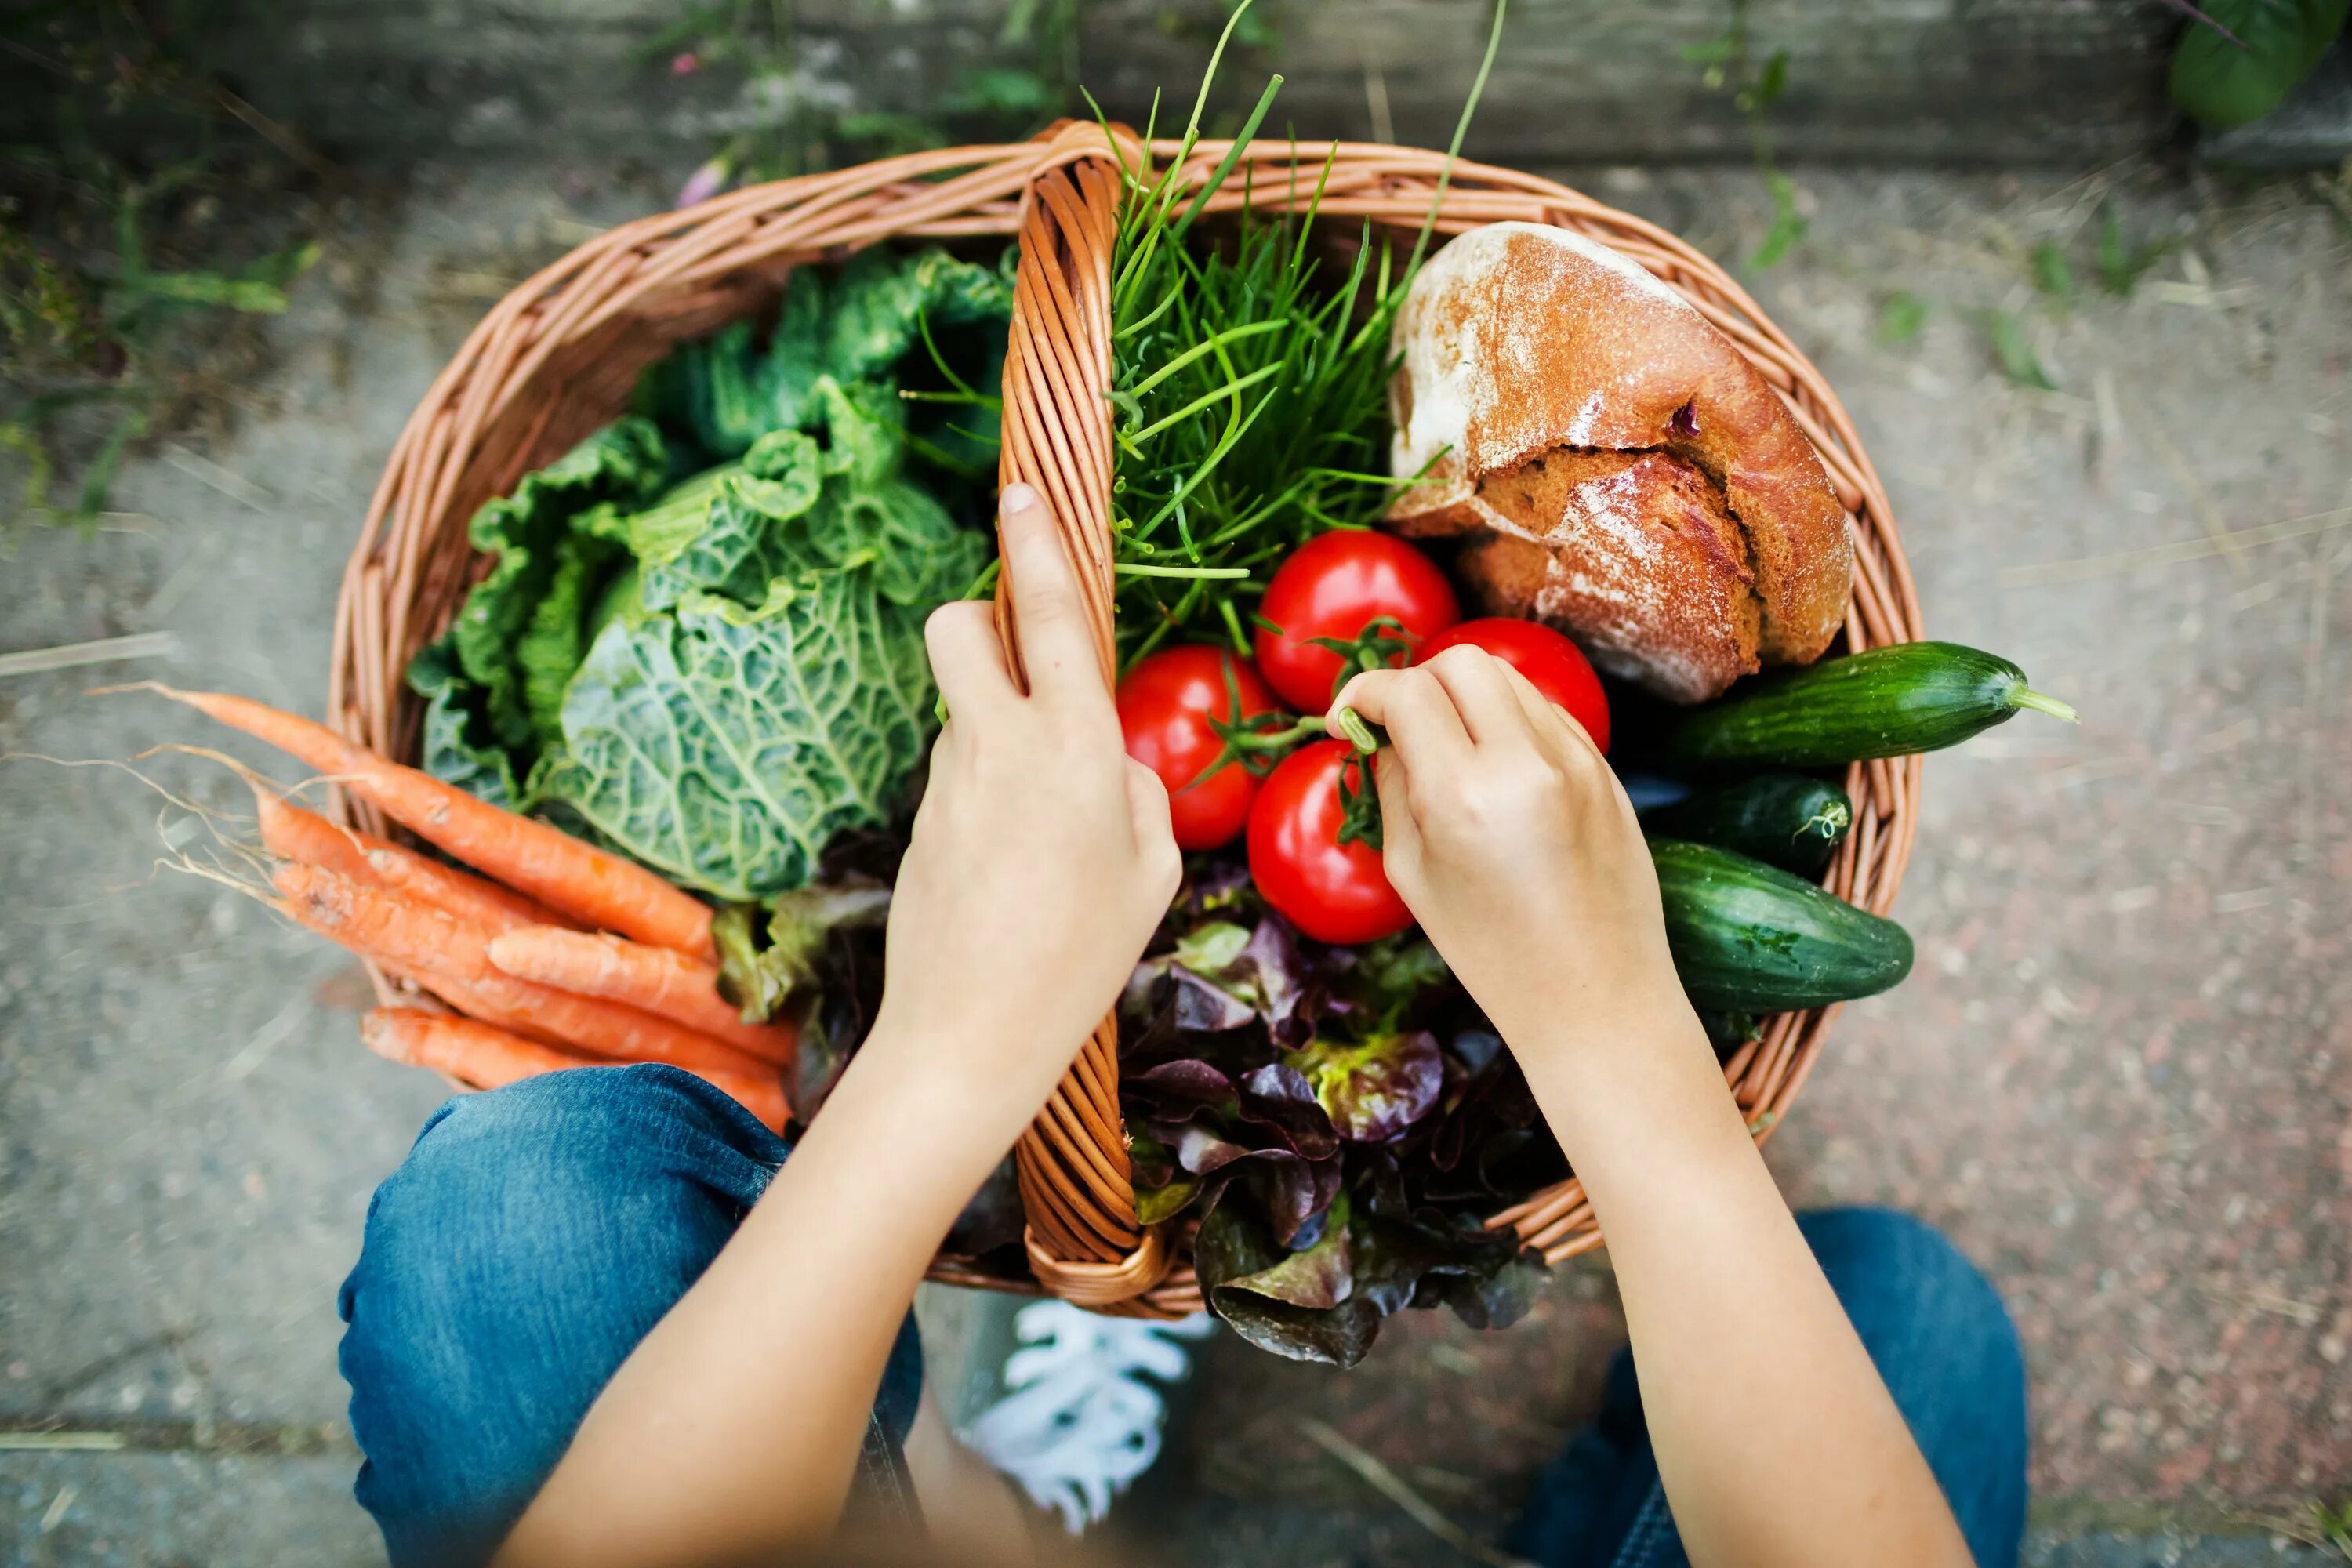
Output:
(717, 670)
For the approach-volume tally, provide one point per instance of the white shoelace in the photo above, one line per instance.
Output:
(1079, 1423)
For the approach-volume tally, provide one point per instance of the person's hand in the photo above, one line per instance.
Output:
(1042, 858)
(1514, 845)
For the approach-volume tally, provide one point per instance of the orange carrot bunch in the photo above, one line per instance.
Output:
(523, 945)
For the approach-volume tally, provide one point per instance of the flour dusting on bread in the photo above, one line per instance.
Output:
(1612, 464)
(1475, 329)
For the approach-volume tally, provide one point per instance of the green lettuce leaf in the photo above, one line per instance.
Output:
(731, 530)
(1154, 1206)
(766, 960)
(777, 692)
(1394, 974)
(450, 751)
(557, 637)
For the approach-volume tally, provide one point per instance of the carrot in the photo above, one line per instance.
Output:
(460, 892)
(294, 833)
(762, 1097)
(472, 1052)
(513, 1013)
(291, 833)
(487, 1057)
(601, 890)
(451, 954)
(666, 983)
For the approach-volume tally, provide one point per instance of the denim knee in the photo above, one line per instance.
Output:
(1944, 1345)
(1907, 1287)
(532, 1237)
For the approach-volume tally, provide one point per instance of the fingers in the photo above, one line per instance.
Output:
(1549, 721)
(1400, 830)
(1481, 694)
(1049, 617)
(1417, 713)
(1555, 726)
(967, 660)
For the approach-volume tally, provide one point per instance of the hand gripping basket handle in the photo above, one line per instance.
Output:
(1084, 1241)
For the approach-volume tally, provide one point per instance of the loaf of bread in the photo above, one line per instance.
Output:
(1611, 464)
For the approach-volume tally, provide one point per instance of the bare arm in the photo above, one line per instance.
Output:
(1516, 849)
(1040, 863)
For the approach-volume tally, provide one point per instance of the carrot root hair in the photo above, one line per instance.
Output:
(601, 890)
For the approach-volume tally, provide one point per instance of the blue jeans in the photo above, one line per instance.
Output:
(536, 1233)
(1937, 1331)
(533, 1235)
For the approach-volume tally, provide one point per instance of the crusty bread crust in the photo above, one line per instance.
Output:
(1563, 399)
(1634, 551)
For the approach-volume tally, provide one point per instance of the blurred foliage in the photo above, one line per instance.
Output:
(2122, 262)
(2313, 1524)
(1727, 65)
(793, 112)
(2010, 331)
(1256, 29)
(122, 281)
(1900, 317)
(2054, 275)
(2238, 59)
(2013, 352)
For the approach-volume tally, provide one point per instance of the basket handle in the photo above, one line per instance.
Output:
(1084, 1241)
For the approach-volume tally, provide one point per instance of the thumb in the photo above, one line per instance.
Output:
(1368, 691)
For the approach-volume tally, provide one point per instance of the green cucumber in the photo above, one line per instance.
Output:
(1727, 1032)
(1750, 938)
(1887, 703)
(1788, 820)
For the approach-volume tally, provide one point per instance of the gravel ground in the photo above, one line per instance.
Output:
(2121, 1076)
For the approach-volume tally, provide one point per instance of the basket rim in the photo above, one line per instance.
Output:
(563, 347)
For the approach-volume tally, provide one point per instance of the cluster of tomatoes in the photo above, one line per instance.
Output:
(1184, 709)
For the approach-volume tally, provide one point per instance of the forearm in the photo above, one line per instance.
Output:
(1038, 864)
(1776, 1439)
(734, 1429)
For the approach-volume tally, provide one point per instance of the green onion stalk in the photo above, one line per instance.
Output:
(1249, 385)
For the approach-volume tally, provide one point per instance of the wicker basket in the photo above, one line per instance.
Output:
(556, 359)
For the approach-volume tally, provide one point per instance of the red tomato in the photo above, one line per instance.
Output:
(1335, 585)
(1334, 893)
(1165, 704)
(1553, 666)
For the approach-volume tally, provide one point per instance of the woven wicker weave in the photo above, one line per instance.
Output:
(554, 360)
